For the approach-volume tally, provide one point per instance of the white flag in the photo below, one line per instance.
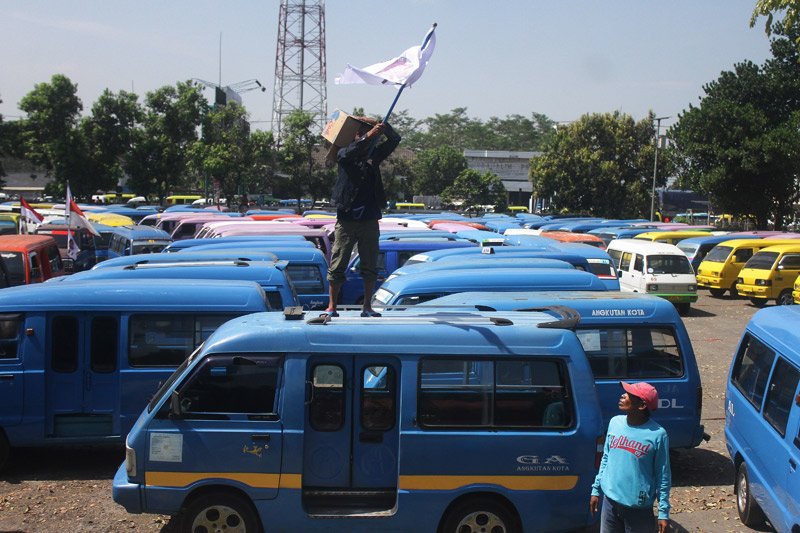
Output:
(75, 217)
(402, 70)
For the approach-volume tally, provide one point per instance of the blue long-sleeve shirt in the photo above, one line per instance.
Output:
(635, 466)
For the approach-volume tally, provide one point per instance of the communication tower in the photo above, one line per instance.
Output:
(300, 70)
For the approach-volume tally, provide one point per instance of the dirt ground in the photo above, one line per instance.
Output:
(55, 490)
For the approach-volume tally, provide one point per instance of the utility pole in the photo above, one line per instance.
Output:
(655, 167)
(300, 71)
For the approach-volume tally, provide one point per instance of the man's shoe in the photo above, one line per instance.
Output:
(370, 314)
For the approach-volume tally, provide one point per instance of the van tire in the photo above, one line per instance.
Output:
(717, 293)
(225, 508)
(5, 449)
(759, 302)
(785, 298)
(480, 514)
(750, 513)
(683, 309)
(734, 291)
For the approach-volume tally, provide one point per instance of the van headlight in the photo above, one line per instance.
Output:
(130, 461)
(652, 287)
(692, 288)
(739, 280)
(764, 282)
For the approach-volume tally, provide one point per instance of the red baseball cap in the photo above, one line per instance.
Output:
(643, 390)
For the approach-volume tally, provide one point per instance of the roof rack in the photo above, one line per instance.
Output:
(569, 316)
(439, 318)
(186, 264)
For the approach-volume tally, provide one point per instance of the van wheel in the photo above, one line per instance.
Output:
(750, 513)
(683, 309)
(717, 293)
(219, 511)
(734, 292)
(785, 298)
(5, 449)
(758, 302)
(480, 515)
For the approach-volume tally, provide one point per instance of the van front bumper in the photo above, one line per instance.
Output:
(709, 282)
(125, 493)
(678, 298)
(753, 291)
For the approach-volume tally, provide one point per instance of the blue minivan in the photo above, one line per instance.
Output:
(411, 422)
(762, 420)
(424, 286)
(627, 337)
(79, 360)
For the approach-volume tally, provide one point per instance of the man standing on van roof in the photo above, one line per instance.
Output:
(358, 196)
(635, 466)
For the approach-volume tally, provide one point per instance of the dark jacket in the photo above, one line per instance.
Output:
(358, 193)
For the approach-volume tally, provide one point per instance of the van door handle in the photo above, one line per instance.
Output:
(260, 437)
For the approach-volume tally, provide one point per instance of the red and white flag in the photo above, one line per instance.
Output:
(75, 217)
(402, 70)
(29, 215)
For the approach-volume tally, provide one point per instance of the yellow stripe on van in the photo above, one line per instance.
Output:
(183, 479)
(509, 482)
(291, 481)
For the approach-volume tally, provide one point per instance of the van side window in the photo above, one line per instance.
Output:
(625, 262)
(742, 255)
(378, 398)
(781, 395)
(519, 394)
(404, 256)
(238, 385)
(751, 369)
(638, 264)
(36, 270)
(632, 352)
(615, 256)
(54, 257)
(274, 300)
(10, 326)
(64, 344)
(307, 279)
(166, 340)
(103, 356)
(326, 410)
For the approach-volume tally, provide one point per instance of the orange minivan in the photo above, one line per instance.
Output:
(30, 258)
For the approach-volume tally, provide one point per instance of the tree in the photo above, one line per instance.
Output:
(768, 8)
(158, 161)
(49, 132)
(516, 132)
(297, 160)
(476, 189)
(600, 165)
(740, 145)
(435, 169)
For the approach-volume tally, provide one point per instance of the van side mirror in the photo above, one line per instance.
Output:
(175, 406)
(619, 273)
(780, 267)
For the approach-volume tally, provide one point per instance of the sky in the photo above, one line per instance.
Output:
(561, 58)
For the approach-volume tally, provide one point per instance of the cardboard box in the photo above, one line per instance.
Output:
(340, 131)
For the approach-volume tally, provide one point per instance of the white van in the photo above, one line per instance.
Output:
(655, 268)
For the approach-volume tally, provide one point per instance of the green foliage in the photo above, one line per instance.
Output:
(740, 145)
(476, 189)
(768, 8)
(159, 157)
(601, 165)
(304, 174)
(435, 169)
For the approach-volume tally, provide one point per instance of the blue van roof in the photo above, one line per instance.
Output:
(495, 279)
(184, 257)
(160, 295)
(412, 244)
(623, 306)
(778, 324)
(468, 262)
(188, 243)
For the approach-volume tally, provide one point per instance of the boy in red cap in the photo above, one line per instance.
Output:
(635, 467)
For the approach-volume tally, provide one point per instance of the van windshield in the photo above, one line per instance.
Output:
(688, 249)
(668, 264)
(15, 265)
(148, 247)
(718, 254)
(762, 261)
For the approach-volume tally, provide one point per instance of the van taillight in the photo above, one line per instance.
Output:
(699, 402)
(598, 454)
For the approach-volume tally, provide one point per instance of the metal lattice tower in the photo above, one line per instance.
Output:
(300, 72)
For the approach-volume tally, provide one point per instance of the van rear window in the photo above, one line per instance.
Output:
(15, 266)
(620, 353)
(307, 279)
(497, 394)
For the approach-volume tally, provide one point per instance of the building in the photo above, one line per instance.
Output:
(511, 167)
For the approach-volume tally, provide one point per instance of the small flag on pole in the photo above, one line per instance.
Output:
(75, 217)
(29, 215)
(402, 70)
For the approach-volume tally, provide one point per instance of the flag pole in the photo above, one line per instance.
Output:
(400, 90)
